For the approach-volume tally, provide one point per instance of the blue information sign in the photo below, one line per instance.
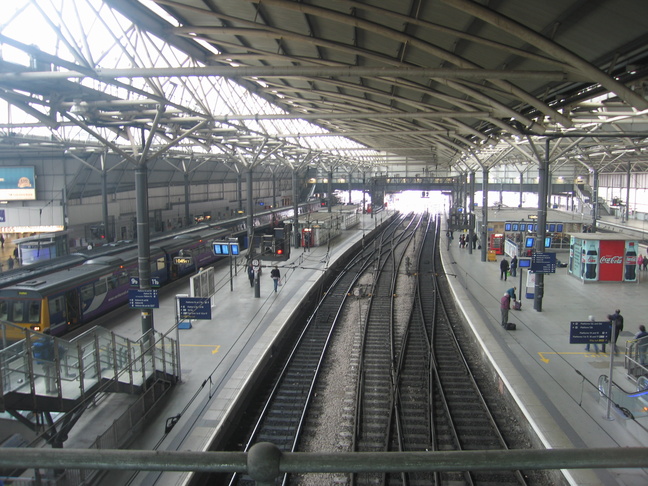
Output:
(194, 308)
(543, 262)
(589, 332)
(143, 299)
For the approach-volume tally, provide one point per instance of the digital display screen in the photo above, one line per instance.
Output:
(523, 226)
(529, 242)
(516, 227)
(218, 249)
(225, 248)
(235, 248)
(548, 242)
(559, 228)
(524, 263)
(507, 226)
(552, 228)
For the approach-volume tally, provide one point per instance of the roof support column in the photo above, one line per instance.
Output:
(521, 189)
(274, 188)
(594, 201)
(484, 231)
(249, 211)
(104, 199)
(364, 193)
(626, 212)
(469, 210)
(239, 190)
(187, 197)
(543, 190)
(143, 240)
(350, 186)
(295, 198)
(329, 190)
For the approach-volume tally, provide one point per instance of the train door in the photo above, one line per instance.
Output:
(72, 308)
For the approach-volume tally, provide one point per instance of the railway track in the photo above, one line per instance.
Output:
(414, 388)
(282, 416)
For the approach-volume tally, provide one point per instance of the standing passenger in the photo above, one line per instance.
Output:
(505, 306)
(275, 275)
(251, 274)
(504, 267)
(616, 326)
(514, 264)
(587, 348)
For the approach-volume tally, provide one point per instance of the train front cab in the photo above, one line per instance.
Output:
(25, 309)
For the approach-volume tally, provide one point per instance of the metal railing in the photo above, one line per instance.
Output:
(42, 365)
(265, 462)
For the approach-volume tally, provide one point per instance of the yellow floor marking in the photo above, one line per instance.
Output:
(546, 360)
(214, 351)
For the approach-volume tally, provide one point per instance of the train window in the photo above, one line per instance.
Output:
(112, 282)
(87, 292)
(4, 309)
(160, 263)
(18, 311)
(122, 278)
(100, 287)
(56, 305)
(34, 311)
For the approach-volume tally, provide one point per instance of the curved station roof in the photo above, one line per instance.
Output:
(449, 85)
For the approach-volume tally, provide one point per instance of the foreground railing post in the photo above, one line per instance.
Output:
(263, 463)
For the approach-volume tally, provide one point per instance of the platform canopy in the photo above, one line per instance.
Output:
(441, 86)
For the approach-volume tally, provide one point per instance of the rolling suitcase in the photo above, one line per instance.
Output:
(517, 305)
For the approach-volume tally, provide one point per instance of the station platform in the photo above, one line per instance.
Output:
(536, 362)
(541, 369)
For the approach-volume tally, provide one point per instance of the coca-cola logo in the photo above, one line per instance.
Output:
(631, 259)
(617, 259)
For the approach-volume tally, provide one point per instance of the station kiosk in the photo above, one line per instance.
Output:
(603, 257)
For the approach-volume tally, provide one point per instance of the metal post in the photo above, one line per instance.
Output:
(239, 190)
(187, 217)
(609, 390)
(143, 241)
(249, 211)
(230, 262)
(594, 201)
(295, 197)
(470, 209)
(330, 191)
(104, 198)
(543, 186)
(627, 206)
(484, 232)
(274, 188)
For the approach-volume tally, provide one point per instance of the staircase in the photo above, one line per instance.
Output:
(42, 373)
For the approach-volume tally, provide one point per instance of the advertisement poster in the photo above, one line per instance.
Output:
(611, 261)
(590, 260)
(17, 184)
